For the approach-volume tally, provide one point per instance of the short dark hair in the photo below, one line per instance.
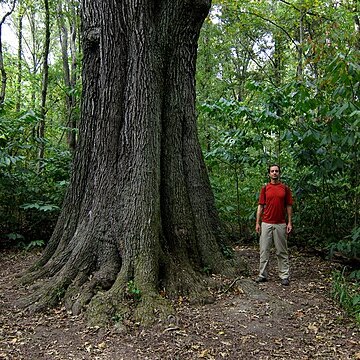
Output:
(270, 166)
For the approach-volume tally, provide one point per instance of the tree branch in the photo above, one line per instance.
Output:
(307, 12)
(8, 13)
(273, 23)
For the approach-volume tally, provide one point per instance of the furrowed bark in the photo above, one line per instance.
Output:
(139, 216)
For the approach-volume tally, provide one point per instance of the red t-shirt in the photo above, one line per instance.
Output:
(275, 197)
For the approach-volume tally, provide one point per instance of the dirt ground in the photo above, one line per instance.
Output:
(247, 321)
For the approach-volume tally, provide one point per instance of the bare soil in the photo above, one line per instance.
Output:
(247, 321)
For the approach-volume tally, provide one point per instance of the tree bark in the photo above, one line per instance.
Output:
(139, 209)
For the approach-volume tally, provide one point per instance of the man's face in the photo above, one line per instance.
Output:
(274, 173)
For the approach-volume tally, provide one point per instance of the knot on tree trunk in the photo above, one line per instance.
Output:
(91, 38)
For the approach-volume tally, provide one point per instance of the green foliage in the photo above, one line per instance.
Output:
(32, 245)
(227, 251)
(29, 200)
(32, 183)
(14, 236)
(349, 246)
(207, 270)
(40, 207)
(21, 242)
(233, 146)
(347, 293)
(294, 102)
(132, 291)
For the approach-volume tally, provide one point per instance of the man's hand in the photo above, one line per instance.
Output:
(259, 211)
(288, 228)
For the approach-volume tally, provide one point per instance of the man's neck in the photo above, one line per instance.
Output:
(274, 181)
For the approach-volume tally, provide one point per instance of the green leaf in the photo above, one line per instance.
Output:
(40, 207)
(14, 236)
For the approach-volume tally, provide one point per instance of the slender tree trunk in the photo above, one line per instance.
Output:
(20, 50)
(356, 157)
(44, 87)
(300, 47)
(2, 72)
(278, 80)
(2, 67)
(139, 207)
(35, 60)
(68, 41)
(73, 118)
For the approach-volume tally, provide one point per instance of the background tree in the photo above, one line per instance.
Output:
(2, 67)
(20, 56)
(67, 23)
(44, 86)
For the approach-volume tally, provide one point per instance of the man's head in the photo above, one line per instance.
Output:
(274, 172)
(273, 168)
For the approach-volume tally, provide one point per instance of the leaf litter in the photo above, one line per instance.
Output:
(246, 321)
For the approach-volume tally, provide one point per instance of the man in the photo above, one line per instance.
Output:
(275, 202)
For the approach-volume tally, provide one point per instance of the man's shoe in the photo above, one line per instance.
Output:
(285, 282)
(260, 279)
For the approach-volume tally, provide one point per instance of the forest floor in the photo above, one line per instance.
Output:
(247, 321)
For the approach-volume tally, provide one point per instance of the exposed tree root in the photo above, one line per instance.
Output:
(41, 273)
(109, 297)
(81, 291)
(48, 295)
(152, 307)
(105, 309)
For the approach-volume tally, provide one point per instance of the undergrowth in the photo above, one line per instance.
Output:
(346, 290)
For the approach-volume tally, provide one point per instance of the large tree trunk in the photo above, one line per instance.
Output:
(139, 209)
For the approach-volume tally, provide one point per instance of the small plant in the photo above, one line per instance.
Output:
(40, 207)
(347, 293)
(34, 244)
(207, 270)
(227, 251)
(132, 291)
(117, 318)
(60, 292)
(355, 275)
(349, 246)
(14, 236)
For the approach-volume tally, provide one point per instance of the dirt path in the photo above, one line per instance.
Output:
(249, 321)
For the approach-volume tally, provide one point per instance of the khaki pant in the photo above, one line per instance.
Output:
(274, 233)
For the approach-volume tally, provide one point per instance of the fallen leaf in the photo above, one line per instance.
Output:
(227, 343)
(204, 354)
(101, 345)
(313, 327)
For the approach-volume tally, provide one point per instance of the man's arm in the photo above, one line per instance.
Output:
(259, 211)
(289, 216)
